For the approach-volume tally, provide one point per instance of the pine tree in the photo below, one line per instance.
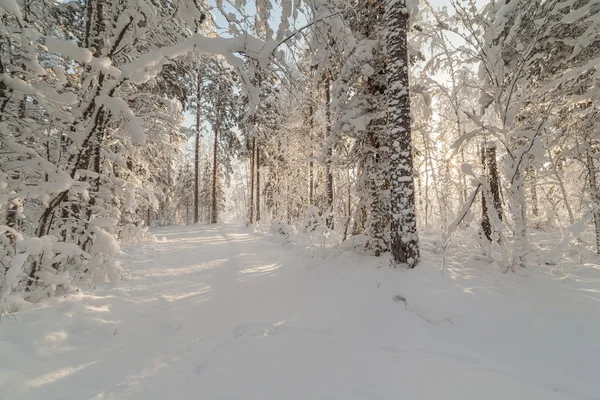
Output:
(404, 241)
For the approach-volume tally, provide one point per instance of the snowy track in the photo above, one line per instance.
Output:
(220, 313)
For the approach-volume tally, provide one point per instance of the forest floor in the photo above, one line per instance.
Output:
(220, 312)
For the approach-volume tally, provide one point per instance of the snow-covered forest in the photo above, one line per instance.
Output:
(435, 148)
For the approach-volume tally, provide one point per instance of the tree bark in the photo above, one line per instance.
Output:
(595, 195)
(311, 177)
(490, 165)
(494, 178)
(328, 172)
(520, 244)
(257, 182)
(252, 158)
(486, 224)
(214, 211)
(532, 179)
(404, 238)
(197, 152)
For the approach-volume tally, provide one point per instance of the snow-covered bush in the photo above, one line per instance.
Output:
(312, 220)
(280, 228)
(131, 234)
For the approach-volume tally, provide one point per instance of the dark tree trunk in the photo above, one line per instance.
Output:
(486, 224)
(494, 178)
(488, 160)
(403, 236)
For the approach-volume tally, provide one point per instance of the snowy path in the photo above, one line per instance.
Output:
(220, 313)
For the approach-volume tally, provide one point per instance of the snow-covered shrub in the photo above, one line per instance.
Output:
(46, 266)
(312, 219)
(131, 234)
(280, 228)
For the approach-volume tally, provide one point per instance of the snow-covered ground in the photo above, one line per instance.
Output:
(219, 312)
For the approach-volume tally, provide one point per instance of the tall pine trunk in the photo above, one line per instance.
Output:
(257, 182)
(252, 158)
(197, 152)
(311, 177)
(328, 171)
(403, 236)
(595, 195)
(214, 211)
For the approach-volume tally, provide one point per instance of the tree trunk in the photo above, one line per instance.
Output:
(214, 212)
(595, 195)
(375, 218)
(311, 177)
(519, 220)
(328, 172)
(404, 238)
(563, 190)
(252, 158)
(534, 195)
(494, 179)
(257, 182)
(532, 177)
(486, 225)
(488, 159)
(463, 179)
(197, 153)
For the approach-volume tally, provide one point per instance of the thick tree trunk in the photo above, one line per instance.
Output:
(490, 165)
(214, 211)
(494, 178)
(404, 238)
(375, 218)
